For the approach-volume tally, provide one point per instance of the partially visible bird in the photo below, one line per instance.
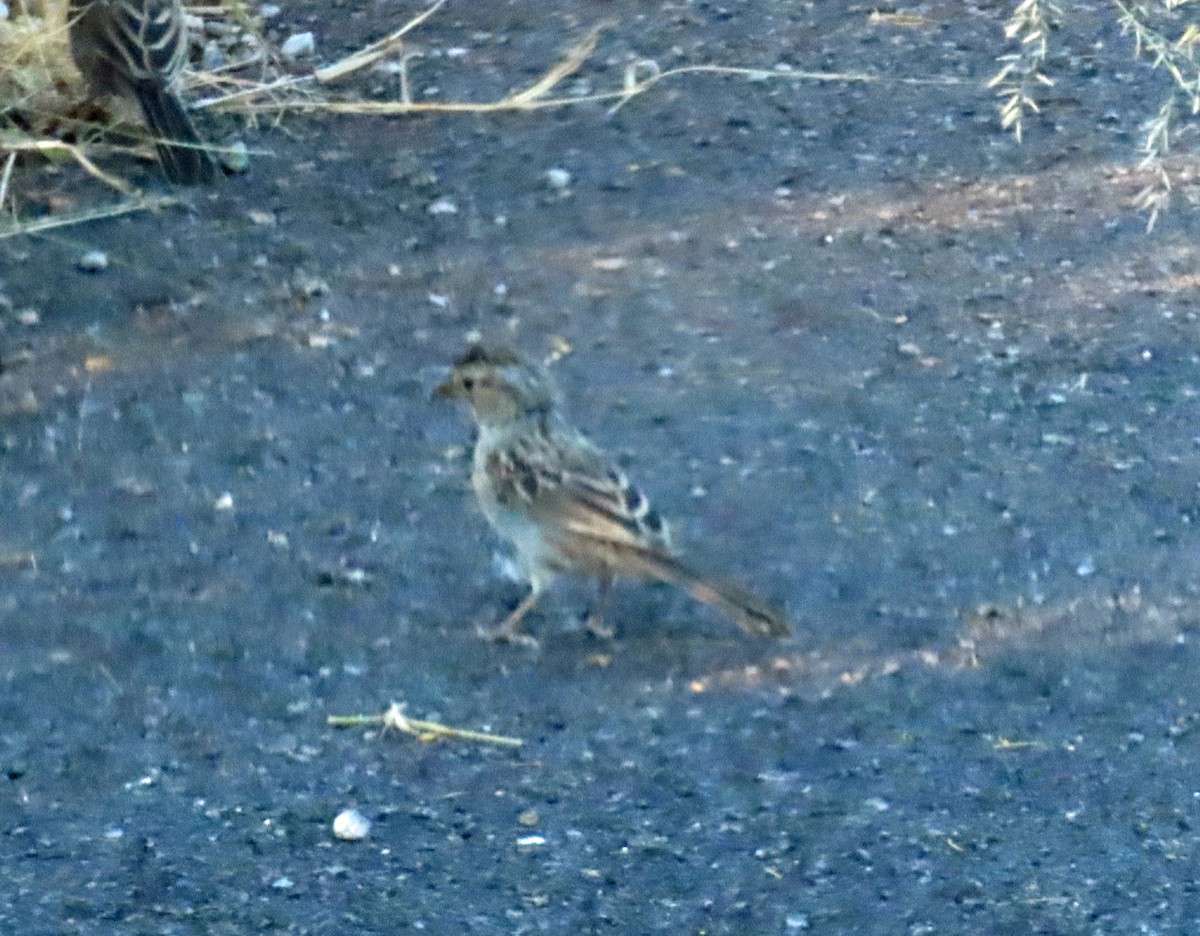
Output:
(562, 503)
(137, 48)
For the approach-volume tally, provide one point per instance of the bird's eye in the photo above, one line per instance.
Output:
(468, 383)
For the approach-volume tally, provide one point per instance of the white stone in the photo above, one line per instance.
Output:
(298, 46)
(351, 826)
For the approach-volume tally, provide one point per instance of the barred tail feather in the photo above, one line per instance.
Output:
(752, 615)
(180, 149)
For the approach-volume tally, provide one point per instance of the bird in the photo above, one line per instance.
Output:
(564, 505)
(136, 49)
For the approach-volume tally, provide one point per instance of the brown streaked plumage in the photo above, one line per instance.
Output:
(136, 48)
(563, 504)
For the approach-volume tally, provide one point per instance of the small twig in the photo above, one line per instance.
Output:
(18, 560)
(23, 144)
(395, 718)
(8, 168)
(405, 90)
(376, 50)
(251, 90)
(148, 203)
(1006, 744)
(571, 62)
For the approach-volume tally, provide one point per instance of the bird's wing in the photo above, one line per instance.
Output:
(149, 37)
(569, 489)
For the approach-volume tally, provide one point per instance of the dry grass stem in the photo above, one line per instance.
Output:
(370, 54)
(18, 560)
(19, 144)
(531, 98)
(571, 63)
(7, 177)
(394, 718)
(139, 203)
(250, 89)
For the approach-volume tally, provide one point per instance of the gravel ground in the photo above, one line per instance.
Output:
(932, 390)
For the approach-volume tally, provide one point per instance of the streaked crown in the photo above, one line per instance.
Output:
(498, 385)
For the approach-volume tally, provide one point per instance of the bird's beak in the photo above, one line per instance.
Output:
(444, 389)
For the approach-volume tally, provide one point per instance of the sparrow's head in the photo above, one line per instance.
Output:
(498, 385)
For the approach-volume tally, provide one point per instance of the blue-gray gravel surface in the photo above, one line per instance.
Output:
(933, 390)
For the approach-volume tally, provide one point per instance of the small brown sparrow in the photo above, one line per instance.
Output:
(137, 48)
(563, 504)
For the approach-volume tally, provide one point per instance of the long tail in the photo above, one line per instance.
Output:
(180, 149)
(752, 615)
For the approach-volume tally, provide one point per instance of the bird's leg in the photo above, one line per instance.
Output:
(595, 619)
(506, 631)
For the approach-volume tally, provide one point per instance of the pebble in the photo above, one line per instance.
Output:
(236, 157)
(306, 285)
(218, 28)
(213, 56)
(298, 46)
(351, 826)
(93, 261)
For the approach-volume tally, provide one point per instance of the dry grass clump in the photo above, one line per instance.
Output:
(37, 76)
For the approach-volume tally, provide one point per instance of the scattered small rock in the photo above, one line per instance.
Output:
(297, 46)
(235, 157)
(307, 285)
(219, 28)
(213, 56)
(351, 826)
(558, 178)
(93, 261)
